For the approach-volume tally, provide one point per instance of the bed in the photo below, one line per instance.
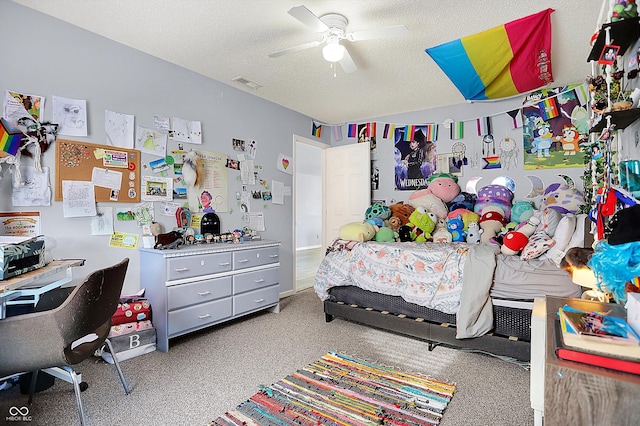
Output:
(457, 294)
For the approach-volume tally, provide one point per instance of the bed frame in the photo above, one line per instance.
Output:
(510, 338)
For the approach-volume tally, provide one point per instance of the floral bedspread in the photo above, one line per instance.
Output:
(428, 274)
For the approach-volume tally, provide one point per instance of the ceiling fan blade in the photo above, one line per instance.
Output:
(294, 49)
(347, 64)
(374, 33)
(307, 17)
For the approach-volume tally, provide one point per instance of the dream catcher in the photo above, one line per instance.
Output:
(508, 153)
(459, 158)
(488, 139)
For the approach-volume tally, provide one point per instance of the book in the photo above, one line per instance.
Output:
(599, 324)
(591, 358)
(601, 344)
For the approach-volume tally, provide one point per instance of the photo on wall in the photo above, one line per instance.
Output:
(415, 158)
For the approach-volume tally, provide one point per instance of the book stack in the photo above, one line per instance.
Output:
(132, 333)
(602, 339)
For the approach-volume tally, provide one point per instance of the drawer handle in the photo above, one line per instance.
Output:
(204, 293)
(261, 280)
(259, 300)
(204, 316)
(243, 261)
(273, 255)
(181, 269)
(224, 263)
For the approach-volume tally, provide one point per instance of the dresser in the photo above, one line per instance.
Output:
(570, 393)
(198, 286)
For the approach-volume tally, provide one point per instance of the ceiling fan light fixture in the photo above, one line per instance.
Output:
(333, 51)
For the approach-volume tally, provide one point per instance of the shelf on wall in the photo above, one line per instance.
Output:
(622, 119)
(622, 33)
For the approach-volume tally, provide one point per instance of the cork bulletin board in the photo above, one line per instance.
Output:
(115, 171)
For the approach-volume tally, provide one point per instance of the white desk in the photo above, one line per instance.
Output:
(15, 287)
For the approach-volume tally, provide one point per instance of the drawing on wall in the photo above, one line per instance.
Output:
(18, 105)
(33, 189)
(118, 128)
(70, 115)
(151, 141)
(415, 158)
(215, 181)
(284, 164)
(185, 131)
(156, 188)
(554, 122)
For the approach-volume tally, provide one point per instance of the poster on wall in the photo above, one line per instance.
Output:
(20, 224)
(215, 183)
(554, 122)
(415, 158)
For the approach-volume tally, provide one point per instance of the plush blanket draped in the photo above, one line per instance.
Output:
(453, 278)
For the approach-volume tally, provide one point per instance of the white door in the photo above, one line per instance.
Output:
(346, 187)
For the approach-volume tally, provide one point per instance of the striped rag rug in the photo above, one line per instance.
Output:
(342, 390)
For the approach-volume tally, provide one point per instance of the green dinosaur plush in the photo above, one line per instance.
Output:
(422, 223)
(385, 234)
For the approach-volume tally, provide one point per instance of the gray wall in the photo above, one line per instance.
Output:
(44, 56)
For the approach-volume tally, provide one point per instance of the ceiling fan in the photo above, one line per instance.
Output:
(333, 28)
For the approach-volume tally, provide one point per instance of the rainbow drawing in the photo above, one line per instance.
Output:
(500, 62)
(10, 138)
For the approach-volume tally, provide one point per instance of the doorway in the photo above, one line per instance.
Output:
(308, 187)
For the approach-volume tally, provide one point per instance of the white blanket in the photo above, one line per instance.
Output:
(453, 278)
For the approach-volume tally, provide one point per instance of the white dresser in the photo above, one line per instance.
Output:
(198, 286)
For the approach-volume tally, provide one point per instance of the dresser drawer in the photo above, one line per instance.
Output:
(197, 292)
(199, 315)
(193, 266)
(256, 299)
(255, 257)
(256, 279)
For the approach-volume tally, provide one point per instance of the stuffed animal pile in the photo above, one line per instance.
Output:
(445, 214)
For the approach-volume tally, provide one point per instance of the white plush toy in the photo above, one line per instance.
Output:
(514, 241)
(474, 233)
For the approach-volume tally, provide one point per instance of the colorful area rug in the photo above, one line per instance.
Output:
(342, 390)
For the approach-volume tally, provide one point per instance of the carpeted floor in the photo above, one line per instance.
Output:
(206, 373)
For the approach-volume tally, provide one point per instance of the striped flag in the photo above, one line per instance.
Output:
(371, 130)
(491, 162)
(483, 125)
(456, 131)
(431, 133)
(516, 116)
(337, 132)
(353, 131)
(10, 138)
(581, 94)
(409, 131)
(316, 130)
(500, 62)
(388, 130)
(548, 109)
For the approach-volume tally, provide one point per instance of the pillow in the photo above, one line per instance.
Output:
(538, 243)
(549, 221)
(564, 232)
(577, 240)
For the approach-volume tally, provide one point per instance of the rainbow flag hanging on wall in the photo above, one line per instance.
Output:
(431, 132)
(500, 62)
(548, 109)
(316, 130)
(409, 132)
(10, 138)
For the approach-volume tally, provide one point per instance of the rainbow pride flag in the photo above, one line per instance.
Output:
(409, 132)
(431, 132)
(500, 62)
(10, 138)
(316, 130)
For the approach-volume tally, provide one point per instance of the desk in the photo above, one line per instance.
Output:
(15, 287)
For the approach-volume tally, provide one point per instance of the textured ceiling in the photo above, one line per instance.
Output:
(224, 39)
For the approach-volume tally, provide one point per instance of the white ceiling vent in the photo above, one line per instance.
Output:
(246, 82)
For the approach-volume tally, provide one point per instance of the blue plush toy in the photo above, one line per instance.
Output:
(455, 226)
(378, 210)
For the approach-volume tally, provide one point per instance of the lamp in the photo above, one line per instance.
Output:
(333, 51)
(585, 277)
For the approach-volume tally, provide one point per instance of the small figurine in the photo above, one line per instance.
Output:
(237, 234)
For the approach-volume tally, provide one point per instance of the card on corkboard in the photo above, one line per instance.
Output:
(114, 171)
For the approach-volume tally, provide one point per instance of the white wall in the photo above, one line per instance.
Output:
(44, 56)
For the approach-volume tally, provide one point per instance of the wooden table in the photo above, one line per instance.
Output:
(16, 287)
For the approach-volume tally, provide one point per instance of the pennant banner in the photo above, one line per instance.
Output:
(10, 137)
(431, 132)
(353, 131)
(516, 116)
(337, 133)
(501, 62)
(484, 128)
(456, 131)
(316, 130)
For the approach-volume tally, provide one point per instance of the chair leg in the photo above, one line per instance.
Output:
(32, 386)
(125, 385)
(76, 390)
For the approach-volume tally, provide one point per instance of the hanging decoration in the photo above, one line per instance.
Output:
(508, 153)
(316, 130)
(459, 158)
(415, 158)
